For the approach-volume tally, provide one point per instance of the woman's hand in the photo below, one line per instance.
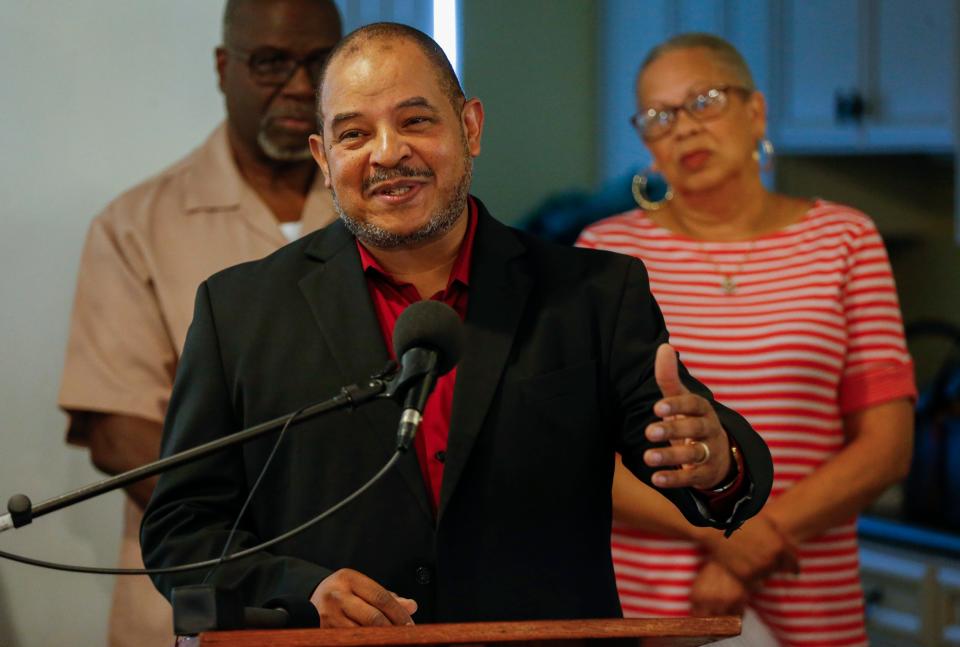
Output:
(717, 592)
(755, 551)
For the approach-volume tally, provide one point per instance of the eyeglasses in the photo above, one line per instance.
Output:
(272, 66)
(702, 105)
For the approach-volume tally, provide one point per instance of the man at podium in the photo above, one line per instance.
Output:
(503, 511)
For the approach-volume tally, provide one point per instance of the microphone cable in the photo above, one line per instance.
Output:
(256, 484)
(425, 323)
(216, 562)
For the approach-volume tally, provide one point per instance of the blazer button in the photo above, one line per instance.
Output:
(424, 576)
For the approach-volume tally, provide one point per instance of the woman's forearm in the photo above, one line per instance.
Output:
(877, 455)
(640, 506)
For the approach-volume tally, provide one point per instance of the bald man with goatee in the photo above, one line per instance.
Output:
(502, 509)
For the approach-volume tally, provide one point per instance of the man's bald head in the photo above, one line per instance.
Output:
(235, 11)
(383, 34)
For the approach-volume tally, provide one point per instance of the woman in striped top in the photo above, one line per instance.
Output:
(787, 310)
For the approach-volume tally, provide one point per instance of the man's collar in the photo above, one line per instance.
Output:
(460, 272)
(213, 182)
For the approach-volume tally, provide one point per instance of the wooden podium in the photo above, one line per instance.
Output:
(645, 632)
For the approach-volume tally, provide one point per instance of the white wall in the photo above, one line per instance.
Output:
(95, 96)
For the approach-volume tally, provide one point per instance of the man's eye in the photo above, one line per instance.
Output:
(270, 61)
(419, 120)
(348, 134)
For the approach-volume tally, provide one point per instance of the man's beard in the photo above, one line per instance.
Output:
(273, 146)
(440, 222)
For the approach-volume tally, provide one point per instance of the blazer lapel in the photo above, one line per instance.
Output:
(499, 289)
(336, 291)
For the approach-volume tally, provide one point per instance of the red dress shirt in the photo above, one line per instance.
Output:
(390, 298)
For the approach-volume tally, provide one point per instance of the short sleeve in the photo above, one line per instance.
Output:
(588, 239)
(878, 367)
(120, 358)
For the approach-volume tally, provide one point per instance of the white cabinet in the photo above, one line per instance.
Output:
(913, 596)
(866, 76)
(901, 596)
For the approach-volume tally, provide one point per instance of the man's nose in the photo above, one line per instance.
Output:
(390, 149)
(300, 84)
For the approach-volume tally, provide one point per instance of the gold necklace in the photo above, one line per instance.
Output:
(728, 282)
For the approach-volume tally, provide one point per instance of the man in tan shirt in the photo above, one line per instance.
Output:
(245, 192)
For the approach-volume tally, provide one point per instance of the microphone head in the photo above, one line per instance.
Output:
(433, 325)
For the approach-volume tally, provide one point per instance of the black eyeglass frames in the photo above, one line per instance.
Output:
(272, 66)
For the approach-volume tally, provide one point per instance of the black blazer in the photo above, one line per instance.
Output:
(556, 376)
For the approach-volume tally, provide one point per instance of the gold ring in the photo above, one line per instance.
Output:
(706, 453)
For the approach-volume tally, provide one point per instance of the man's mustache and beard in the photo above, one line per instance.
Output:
(280, 144)
(440, 222)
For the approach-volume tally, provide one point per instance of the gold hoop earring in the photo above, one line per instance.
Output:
(764, 154)
(650, 190)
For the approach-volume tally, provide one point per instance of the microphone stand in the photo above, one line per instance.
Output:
(21, 511)
(204, 607)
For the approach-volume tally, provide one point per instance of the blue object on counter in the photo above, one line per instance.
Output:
(908, 536)
(561, 217)
(932, 489)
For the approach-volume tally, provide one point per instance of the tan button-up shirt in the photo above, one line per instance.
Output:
(143, 260)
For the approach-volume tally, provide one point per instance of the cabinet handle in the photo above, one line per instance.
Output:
(848, 106)
(872, 596)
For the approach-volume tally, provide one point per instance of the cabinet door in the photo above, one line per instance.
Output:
(911, 104)
(900, 591)
(949, 580)
(819, 57)
(898, 56)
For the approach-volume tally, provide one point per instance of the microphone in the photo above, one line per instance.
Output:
(428, 340)
(284, 611)
(202, 607)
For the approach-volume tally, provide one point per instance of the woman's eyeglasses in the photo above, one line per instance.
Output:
(702, 105)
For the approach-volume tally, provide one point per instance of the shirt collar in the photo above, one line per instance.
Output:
(213, 183)
(459, 273)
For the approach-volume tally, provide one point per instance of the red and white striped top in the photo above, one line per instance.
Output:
(811, 331)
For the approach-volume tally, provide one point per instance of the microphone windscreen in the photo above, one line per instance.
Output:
(433, 325)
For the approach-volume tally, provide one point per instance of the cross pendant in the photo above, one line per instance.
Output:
(728, 285)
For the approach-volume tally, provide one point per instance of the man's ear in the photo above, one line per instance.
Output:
(472, 120)
(220, 56)
(320, 155)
